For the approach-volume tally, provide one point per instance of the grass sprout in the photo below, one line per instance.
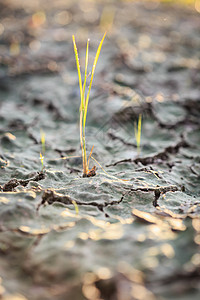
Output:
(138, 130)
(42, 153)
(42, 138)
(85, 97)
(75, 206)
(42, 161)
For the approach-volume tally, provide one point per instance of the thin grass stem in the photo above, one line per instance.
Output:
(91, 79)
(90, 156)
(78, 67)
(138, 129)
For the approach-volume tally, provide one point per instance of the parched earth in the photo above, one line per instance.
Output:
(133, 230)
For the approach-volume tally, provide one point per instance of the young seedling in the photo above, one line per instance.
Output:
(85, 100)
(138, 129)
(75, 206)
(42, 153)
(42, 162)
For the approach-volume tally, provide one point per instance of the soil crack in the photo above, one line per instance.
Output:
(114, 137)
(157, 158)
(158, 191)
(13, 183)
(50, 196)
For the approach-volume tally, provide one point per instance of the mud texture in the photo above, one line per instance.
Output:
(132, 229)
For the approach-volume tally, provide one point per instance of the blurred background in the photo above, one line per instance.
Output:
(35, 36)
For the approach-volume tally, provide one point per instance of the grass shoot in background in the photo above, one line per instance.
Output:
(75, 206)
(138, 130)
(85, 97)
(42, 153)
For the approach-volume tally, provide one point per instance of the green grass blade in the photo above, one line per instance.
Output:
(138, 132)
(91, 79)
(78, 69)
(135, 130)
(82, 104)
(90, 156)
(139, 129)
(42, 161)
(85, 165)
(81, 136)
(75, 206)
(42, 138)
(86, 66)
